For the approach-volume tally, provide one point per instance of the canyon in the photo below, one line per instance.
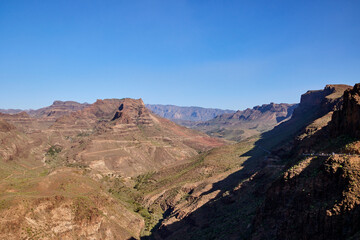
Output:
(114, 169)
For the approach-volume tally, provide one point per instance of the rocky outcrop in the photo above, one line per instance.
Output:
(320, 102)
(312, 115)
(315, 199)
(317, 196)
(347, 119)
(132, 111)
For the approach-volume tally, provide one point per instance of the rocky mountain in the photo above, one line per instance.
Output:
(123, 136)
(243, 124)
(59, 165)
(317, 195)
(277, 192)
(186, 115)
(346, 120)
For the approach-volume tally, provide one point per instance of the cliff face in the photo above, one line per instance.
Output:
(317, 197)
(312, 114)
(321, 101)
(347, 119)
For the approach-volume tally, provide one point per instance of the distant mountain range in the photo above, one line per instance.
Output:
(186, 114)
(227, 124)
(243, 124)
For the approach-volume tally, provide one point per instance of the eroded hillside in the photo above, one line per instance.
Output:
(59, 168)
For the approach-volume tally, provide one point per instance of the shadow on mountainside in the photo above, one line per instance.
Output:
(231, 213)
(314, 203)
(223, 214)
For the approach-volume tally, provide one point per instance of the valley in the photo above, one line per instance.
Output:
(115, 170)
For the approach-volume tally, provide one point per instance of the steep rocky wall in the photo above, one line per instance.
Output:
(347, 119)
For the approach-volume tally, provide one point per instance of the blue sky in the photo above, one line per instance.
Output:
(224, 54)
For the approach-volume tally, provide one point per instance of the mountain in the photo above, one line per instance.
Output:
(57, 109)
(60, 166)
(186, 115)
(317, 195)
(276, 192)
(227, 124)
(123, 136)
(10, 111)
(243, 124)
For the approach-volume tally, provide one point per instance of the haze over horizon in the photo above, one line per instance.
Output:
(231, 55)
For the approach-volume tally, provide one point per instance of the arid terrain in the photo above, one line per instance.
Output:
(114, 169)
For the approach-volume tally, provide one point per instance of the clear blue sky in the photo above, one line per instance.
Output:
(224, 54)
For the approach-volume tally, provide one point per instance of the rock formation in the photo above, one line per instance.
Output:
(347, 119)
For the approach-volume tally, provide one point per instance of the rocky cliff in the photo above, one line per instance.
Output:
(347, 119)
(317, 196)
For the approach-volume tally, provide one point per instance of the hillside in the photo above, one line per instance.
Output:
(58, 167)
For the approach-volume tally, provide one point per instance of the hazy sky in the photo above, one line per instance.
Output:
(224, 54)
